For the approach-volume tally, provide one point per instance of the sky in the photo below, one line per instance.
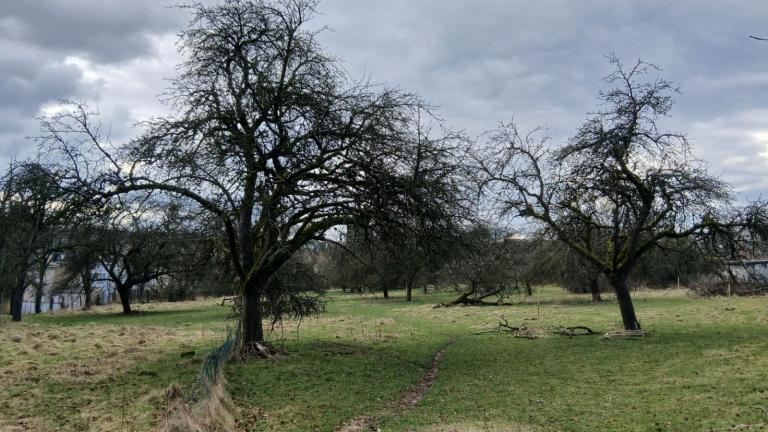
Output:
(540, 63)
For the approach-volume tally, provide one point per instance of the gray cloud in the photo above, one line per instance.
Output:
(542, 63)
(104, 30)
(481, 61)
(44, 43)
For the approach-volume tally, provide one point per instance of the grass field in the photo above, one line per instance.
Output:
(704, 366)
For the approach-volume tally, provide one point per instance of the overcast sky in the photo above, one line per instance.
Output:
(481, 61)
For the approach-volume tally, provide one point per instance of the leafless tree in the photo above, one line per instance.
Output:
(34, 206)
(270, 136)
(619, 187)
(482, 265)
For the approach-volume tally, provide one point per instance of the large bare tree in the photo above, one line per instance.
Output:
(619, 187)
(269, 135)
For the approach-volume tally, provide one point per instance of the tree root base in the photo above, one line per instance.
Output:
(259, 350)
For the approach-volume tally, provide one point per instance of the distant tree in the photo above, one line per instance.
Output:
(482, 266)
(139, 246)
(619, 188)
(269, 135)
(360, 263)
(82, 252)
(439, 203)
(34, 206)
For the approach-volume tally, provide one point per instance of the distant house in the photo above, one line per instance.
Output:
(54, 298)
(747, 271)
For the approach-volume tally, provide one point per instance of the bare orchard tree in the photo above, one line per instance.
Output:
(141, 246)
(33, 209)
(85, 242)
(618, 188)
(437, 205)
(482, 266)
(269, 135)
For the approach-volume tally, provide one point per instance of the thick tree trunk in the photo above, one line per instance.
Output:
(528, 289)
(408, 291)
(252, 316)
(594, 289)
(125, 298)
(385, 290)
(621, 286)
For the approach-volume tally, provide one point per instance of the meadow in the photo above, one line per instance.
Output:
(702, 367)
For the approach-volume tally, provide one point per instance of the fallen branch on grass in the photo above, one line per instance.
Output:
(573, 331)
(228, 300)
(624, 333)
(523, 331)
(526, 332)
(472, 299)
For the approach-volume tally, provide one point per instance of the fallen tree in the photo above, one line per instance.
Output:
(525, 332)
(472, 298)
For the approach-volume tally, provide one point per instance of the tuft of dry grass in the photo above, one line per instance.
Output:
(214, 413)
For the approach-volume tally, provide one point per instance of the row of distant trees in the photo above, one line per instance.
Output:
(126, 244)
(486, 264)
(272, 149)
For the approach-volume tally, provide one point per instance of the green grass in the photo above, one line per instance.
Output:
(704, 366)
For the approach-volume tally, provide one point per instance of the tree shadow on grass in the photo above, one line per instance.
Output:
(180, 317)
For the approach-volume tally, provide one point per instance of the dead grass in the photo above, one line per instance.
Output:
(89, 366)
(482, 427)
(214, 413)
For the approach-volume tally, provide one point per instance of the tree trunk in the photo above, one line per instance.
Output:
(87, 289)
(17, 295)
(409, 287)
(125, 298)
(40, 286)
(594, 289)
(385, 290)
(528, 289)
(628, 316)
(426, 289)
(38, 299)
(252, 316)
(17, 303)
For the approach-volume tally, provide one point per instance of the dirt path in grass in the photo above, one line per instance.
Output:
(405, 401)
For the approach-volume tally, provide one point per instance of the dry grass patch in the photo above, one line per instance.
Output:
(482, 427)
(91, 375)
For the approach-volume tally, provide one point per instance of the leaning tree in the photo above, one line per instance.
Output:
(619, 188)
(269, 135)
